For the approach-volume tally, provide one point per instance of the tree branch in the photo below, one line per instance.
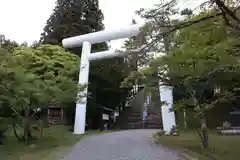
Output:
(12, 92)
(177, 27)
(226, 10)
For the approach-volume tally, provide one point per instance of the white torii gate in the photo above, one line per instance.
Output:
(86, 41)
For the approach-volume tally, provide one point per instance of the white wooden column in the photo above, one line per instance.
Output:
(168, 117)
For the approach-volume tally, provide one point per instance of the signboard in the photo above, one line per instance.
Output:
(116, 114)
(144, 118)
(105, 116)
(148, 100)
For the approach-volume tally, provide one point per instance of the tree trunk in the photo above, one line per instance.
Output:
(26, 126)
(41, 128)
(185, 118)
(203, 133)
(15, 133)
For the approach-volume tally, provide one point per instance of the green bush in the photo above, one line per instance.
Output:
(3, 129)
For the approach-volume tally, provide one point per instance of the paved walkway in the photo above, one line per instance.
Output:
(122, 145)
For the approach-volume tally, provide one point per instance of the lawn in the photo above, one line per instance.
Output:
(56, 143)
(221, 147)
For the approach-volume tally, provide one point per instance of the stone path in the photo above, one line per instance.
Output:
(122, 145)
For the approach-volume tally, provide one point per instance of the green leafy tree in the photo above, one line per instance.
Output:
(33, 78)
(198, 62)
(201, 58)
(4, 111)
(161, 22)
(53, 65)
(7, 44)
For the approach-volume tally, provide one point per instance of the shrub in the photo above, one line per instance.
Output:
(3, 129)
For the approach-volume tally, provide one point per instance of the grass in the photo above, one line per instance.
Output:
(56, 143)
(221, 147)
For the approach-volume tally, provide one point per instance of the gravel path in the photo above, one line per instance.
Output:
(122, 145)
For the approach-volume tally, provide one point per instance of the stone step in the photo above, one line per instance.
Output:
(153, 127)
(133, 121)
(140, 114)
(134, 114)
(139, 119)
(140, 125)
(154, 124)
(131, 118)
(134, 117)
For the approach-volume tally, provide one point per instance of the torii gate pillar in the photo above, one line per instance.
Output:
(86, 41)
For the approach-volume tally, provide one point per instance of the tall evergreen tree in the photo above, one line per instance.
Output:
(72, 18)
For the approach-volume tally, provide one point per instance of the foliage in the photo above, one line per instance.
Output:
(159, 23)
(57, 68)
(203, 62)
(164, 19)
(129, 81)
(71, 19)
(133, 46)
(33, 78)
(200, 58)
(7, 44)
(3, 129)
(198, 63)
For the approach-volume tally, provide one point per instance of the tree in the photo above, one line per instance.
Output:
(35, 44)
(4, 111)
(33, 78)
(201, 58)
(51, 63)
(7, 43)
(132, 45)
(198, 63)
(160, 23)
(187, 12)
(72, 18)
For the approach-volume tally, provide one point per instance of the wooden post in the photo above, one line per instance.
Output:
(41, 128)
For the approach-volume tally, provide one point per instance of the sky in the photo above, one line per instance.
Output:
(24, 20)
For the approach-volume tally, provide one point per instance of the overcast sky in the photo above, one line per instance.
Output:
(24, 20)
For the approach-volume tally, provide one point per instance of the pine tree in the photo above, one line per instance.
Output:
(72, 18)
